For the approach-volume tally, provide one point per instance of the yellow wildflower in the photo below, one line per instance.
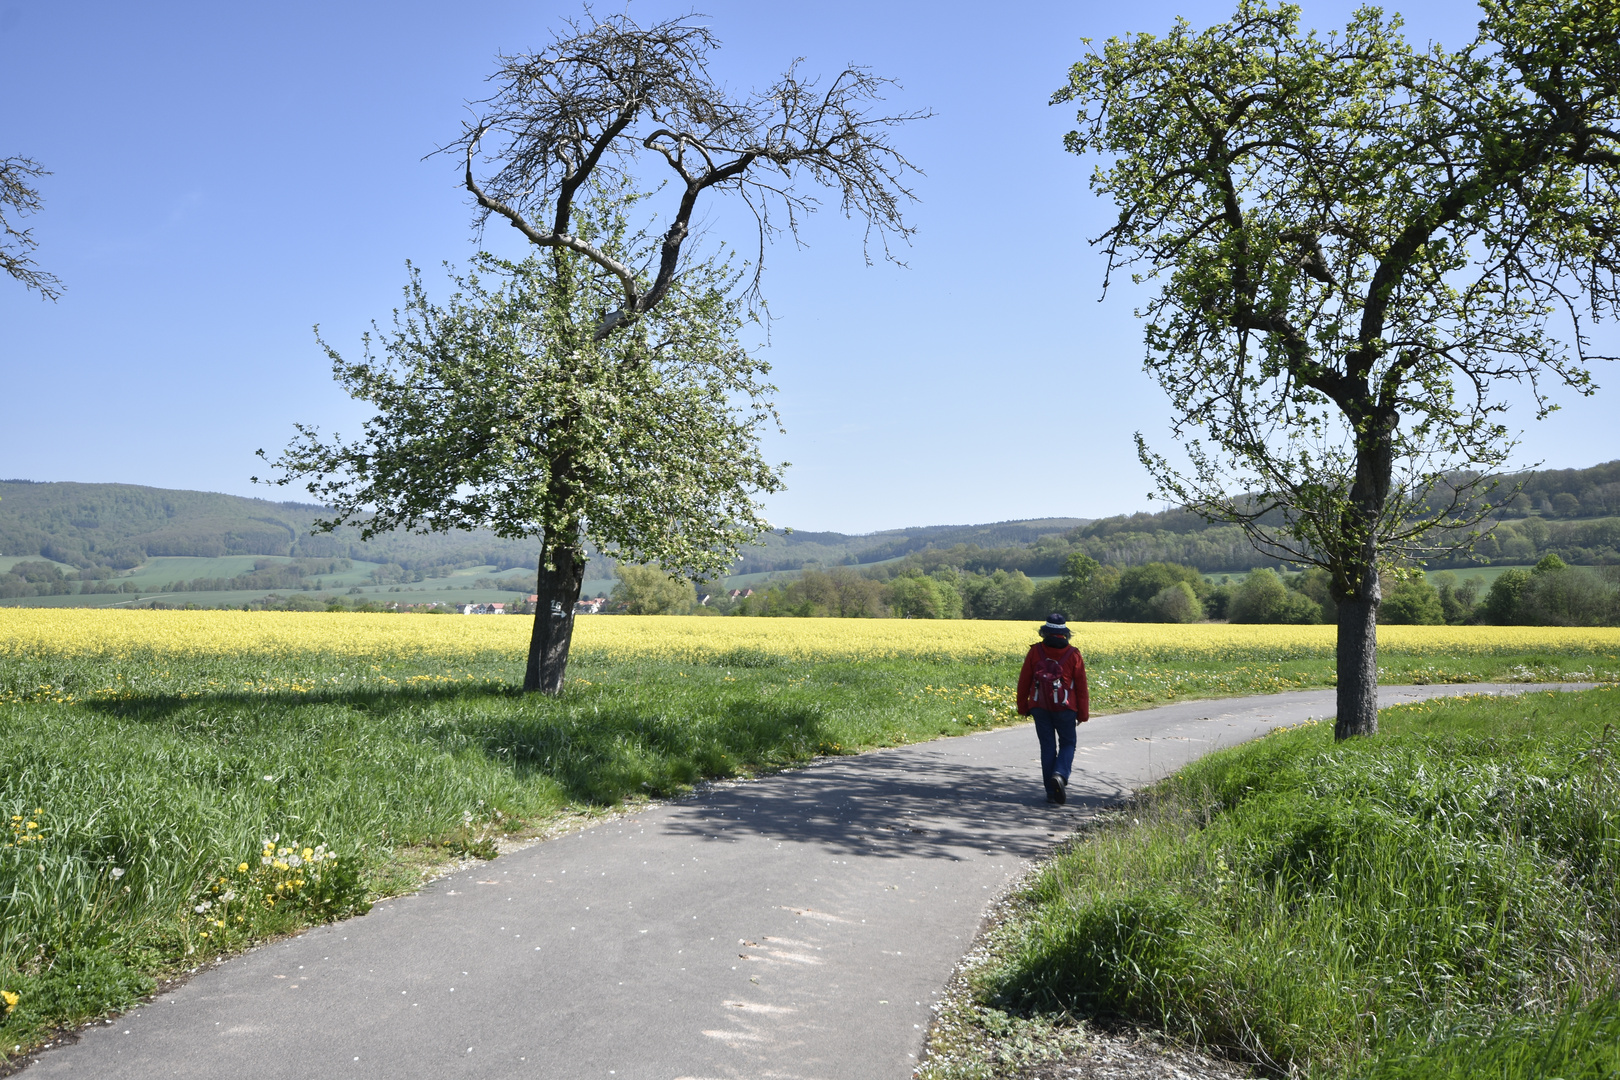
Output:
(36, 632)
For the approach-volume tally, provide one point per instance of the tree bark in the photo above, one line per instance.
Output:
(1358, 665)
(560, 577)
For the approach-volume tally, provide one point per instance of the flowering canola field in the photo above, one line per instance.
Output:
(75, 633)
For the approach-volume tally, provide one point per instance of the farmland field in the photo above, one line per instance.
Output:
(148, 756)
(146, 583)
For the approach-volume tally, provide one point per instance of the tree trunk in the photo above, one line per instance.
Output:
(1355, 578)
(561, 574)
(1358, 665)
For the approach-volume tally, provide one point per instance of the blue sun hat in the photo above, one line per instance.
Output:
(1056, 626)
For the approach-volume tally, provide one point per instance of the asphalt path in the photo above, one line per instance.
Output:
(798, 926)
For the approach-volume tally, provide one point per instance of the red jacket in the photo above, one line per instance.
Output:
(1074, 670)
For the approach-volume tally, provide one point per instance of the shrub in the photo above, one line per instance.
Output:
(1000, 595)
(1502, 601)
(1317, 584)
(1262, 598)
(1140, 587)
(1177, 604)
(922, 597)
(1457, 600)
(1569, 596)
(1412, 603)
(647, 590)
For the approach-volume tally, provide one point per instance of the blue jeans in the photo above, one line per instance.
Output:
(1055, 729)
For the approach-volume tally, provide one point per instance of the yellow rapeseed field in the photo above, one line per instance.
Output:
(451, 638)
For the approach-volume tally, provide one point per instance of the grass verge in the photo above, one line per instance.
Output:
(1436, 901)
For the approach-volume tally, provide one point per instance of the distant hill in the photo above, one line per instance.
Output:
(793, 551)
(1568, 512)
(123, 525)
(1573, 512)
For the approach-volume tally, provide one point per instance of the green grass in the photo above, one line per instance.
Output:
(1436, 901)
(455, 588)
(177, 776)
(177, 781)
(167, 569)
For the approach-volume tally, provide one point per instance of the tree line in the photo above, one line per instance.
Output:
(41, 578)
(1551, 594)
(1172, 537)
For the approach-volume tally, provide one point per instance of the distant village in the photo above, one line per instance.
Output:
(590, 606)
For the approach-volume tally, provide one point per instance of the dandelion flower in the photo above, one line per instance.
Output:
(117, 872)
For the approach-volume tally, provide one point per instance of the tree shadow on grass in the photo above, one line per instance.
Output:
(155, 708)
(603, 751)
(599, 750)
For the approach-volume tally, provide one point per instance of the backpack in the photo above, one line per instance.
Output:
(1051, 689)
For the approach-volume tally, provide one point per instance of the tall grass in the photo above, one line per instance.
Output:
(1439, 895)
(136, 793)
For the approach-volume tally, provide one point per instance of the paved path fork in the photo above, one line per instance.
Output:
(798, 926)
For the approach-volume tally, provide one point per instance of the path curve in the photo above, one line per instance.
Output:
(799, 926)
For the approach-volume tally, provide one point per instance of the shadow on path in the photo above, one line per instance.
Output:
(891, 805)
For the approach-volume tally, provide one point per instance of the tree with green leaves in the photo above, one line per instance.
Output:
(491, 409)
(1353, 244)
(1073, 593)
(578, 119)
(647, 590)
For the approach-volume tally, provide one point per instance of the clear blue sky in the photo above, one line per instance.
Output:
(228, 175)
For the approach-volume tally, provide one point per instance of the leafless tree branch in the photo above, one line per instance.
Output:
(18, 195)
(609, 94)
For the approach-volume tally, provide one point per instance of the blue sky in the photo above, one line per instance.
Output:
(228, 175)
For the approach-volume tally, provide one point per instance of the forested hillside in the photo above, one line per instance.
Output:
(783, 550)
(122, 525)
(103, 529)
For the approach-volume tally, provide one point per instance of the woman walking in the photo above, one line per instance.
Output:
(1052, 689)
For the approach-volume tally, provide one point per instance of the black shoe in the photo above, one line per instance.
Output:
(1060, 793)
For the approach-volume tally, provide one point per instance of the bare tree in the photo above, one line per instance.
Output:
(18, 196)
(611, 95)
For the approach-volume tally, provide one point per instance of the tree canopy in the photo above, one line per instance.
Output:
(1353, 243)
(492, 410)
